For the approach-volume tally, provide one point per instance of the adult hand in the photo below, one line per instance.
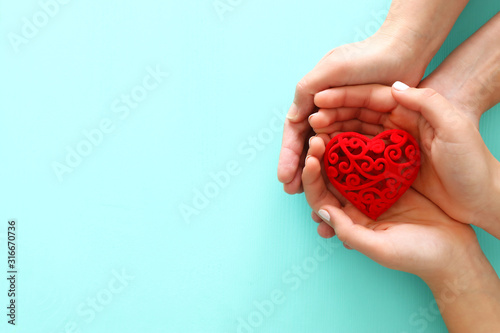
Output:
(401, 49)
(378, 59)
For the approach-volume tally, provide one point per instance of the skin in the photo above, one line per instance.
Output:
(470, 80)
(458, 173)
(417, 237)
(401, 50)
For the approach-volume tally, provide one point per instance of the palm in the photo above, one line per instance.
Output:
(417, 234)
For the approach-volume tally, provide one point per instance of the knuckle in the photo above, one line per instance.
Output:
(302, 86)
(341, 235)
(428, 93)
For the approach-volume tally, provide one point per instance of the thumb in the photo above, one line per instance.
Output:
(436, 109)
(356, 236)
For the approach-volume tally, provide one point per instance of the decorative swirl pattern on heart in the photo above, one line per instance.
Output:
(372, 173)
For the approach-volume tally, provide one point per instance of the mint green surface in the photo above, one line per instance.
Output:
(105, 246)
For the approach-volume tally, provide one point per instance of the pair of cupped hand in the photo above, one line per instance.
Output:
(359, 88)
(454, 187)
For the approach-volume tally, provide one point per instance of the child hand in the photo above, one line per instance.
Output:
(414, 235)
(458, 173)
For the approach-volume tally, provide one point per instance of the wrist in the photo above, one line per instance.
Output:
(470, 301)
(481, 89)
(470, 80)
(421, 26)
(470, 274)
(487, 80)
(405, 53)
(408, 43)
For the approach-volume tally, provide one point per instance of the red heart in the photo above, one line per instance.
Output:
(372, 173)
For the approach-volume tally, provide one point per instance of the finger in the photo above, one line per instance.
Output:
(324, 75)
(354, 213)
(326, 117)
(343, 201)
(356, 236)
(315, 188)
(315, 182)
(438, 111)
(325, 231)
(372, 96)
(325, 137)
(316, 147)
(358, 217)
(295, 186)
(437, 76)
(315, 217)
(292, 147)
(353, 125)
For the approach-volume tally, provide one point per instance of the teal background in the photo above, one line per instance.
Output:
(118, 213)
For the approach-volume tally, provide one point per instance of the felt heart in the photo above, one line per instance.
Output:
(372, 173)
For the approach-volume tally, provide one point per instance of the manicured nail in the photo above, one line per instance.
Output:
(292, 112)
(324, 215)
(398, 85)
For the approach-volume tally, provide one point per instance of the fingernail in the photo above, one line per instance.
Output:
(324, 215)
(347, 246)
(292, 112)
(398, 85)
(307, 157)
(310, 139)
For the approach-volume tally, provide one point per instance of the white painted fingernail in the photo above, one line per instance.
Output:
(398, 85)
(324, 215)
